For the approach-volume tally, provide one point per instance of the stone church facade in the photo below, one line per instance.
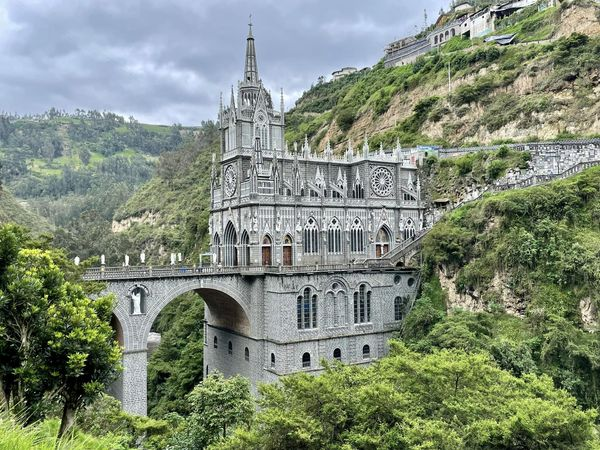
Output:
(305, 220)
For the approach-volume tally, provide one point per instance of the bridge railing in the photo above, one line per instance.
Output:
(139, 272)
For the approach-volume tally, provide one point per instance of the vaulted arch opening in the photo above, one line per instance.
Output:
(230, 256)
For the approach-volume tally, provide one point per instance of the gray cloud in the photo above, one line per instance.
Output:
(166, 61)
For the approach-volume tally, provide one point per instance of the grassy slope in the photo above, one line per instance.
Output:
(13, 212)
(522, 92)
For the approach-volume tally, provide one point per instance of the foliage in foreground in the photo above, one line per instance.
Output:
(445, 400)
(218, 405)
(56, 344)
(42, 436)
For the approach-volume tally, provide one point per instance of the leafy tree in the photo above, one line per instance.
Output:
(54, 339)
(85, 156)
(218, 405)
(445, 400)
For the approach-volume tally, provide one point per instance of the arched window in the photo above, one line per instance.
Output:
(217, 248)
(264, 139)
(215, 342)
(267, 251)
(306, 308)
(229, 246)
(366, 352)
(358, 191)
(287, 250)
(334, 236)
(435, 40)
(357, 237)
(409, 230)
(382, 242)
(310, 238)
(306, 360)
(245, 249)
(362, 305)
(453, 32)
(272, 359)
(337, 354)
(247, 354)
(230, 348)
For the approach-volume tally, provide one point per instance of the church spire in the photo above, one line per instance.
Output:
(251, 70)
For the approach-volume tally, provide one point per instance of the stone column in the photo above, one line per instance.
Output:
(134, 382)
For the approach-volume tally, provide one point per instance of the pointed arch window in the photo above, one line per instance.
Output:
(306, 307)
(264, 139)
(245, 249)
(229, 247)
(310, 238)
(357, 236)
(334, 237)
(362, 305)
(409, 230)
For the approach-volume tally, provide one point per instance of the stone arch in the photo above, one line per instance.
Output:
(227, 305)
(288, 250)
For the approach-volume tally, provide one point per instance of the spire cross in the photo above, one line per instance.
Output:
(250, 23)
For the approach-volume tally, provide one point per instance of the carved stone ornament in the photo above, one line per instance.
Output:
(382, 181)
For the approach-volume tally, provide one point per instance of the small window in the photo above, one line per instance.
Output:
(272, 359)
(337, 354)
(215, 342)
(230, 348)
(247, 354)
(206, 370)
(306, 360)
(366, 352)
(397, 279)
(411, 282)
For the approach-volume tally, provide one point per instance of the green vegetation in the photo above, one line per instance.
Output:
(450, 177)
(542, 243)
(179, 199)
(449, 399)
(12, 212)
(176, 366)
(218, 405)
(56, 344)
(486, 84)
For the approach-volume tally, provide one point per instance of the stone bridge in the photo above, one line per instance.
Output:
(246, 308)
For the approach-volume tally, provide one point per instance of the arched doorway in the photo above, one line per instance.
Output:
(287, 251)
(382, 242)
(267, 251)
(230, 257)
(245, 249)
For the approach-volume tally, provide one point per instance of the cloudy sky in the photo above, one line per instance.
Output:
(165, 61)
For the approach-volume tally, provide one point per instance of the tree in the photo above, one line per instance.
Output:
(54, 340)
(445, 400)
(218, 405)
(85, 156)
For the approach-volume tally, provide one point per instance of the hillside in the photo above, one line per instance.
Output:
(545, 86)
(76, 169)
(14, 212)
(518, 274)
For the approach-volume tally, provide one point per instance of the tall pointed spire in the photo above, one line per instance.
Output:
(251, 70)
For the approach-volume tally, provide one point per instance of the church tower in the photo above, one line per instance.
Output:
(250, 121)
